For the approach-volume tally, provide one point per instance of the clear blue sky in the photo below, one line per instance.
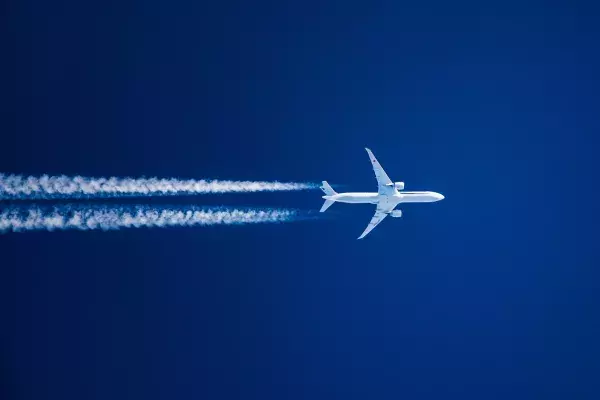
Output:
(489, 294)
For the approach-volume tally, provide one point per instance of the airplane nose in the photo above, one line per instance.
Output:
(440, 196)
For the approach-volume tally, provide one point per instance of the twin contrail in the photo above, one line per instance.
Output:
(20, 187)
(62, 217)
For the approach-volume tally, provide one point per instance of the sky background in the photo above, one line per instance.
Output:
(492, 293)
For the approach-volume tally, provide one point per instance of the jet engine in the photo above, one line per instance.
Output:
(396, 213)
(399, 185)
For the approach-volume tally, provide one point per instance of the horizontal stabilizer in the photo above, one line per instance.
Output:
(326, 205)
(327, 189)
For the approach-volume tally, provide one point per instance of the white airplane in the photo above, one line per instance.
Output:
(388, 196)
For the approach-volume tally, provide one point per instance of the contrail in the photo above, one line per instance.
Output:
(62, 217)
(57, 187)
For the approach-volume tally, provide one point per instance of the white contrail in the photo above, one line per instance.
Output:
(18, 219)
(53, 187)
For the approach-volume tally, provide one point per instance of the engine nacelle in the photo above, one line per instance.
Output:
(399, 185)
(396, 213)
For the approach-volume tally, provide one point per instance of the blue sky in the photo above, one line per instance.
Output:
(491, 293)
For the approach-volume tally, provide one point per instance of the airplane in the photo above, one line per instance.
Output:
(388, 196)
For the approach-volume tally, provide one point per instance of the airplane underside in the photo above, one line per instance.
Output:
(388, 196)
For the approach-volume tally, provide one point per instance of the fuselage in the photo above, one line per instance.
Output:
(375, 198)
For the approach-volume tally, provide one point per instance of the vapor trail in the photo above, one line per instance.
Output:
(55, 187)
(62, 217)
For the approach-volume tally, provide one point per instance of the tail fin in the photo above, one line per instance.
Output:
(328, 190)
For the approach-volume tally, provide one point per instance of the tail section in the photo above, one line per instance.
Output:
(328, 190)
(326, 205)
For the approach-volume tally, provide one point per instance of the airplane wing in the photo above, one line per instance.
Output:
(382, 179)
(380, 214)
